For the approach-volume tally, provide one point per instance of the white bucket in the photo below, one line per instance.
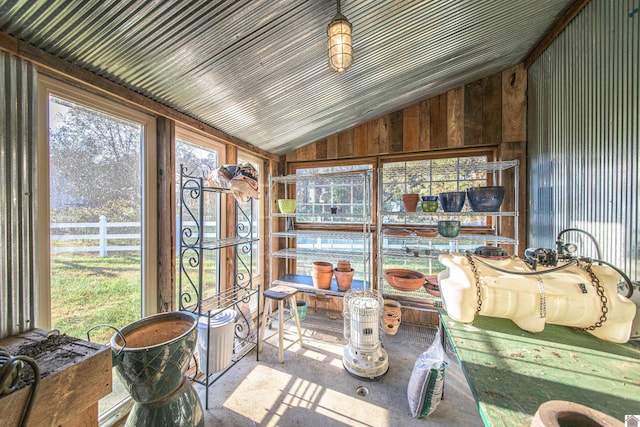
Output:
(221, 333)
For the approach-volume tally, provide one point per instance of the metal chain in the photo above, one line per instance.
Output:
(474, 270)
(543, 298)
(603, 299)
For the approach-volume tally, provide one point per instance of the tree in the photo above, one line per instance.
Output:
(95, 161)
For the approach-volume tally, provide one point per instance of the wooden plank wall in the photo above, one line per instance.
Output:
(488, 112)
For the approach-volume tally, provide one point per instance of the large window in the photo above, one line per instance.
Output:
(320, 198)
(426, 177)
(430, 177)
(97, 175)
(331, 195)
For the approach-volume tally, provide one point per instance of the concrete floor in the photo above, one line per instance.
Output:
(312, 388)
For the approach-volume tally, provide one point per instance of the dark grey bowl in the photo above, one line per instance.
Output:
(485, 199)
(449, 228)
(452, 201)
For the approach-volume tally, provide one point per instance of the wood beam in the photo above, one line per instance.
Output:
(166, 131)
(51, 62)
(8, 44)
(566, 18)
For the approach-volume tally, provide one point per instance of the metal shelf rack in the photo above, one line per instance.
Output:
(330, 244)
(412, 249)
(197, 198)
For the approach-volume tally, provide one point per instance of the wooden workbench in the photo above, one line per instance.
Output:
(511, 372)
(74, 376)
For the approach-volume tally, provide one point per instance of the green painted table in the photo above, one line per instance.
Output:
(511, 372)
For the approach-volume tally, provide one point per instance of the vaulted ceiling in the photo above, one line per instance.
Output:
(258, 70)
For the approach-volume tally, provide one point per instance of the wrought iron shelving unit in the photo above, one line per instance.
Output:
(352, 226)
(411, 247)
(197, 240)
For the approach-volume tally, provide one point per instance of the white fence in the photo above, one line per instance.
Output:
(105, 233)
(102, 227)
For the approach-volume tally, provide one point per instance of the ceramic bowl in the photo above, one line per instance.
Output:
(429, 198)
(426, 233)
(452, 201)
(485, 199)
(394, 231)
(404, 280)
(287, 206)
(449, 228)
(431, 286)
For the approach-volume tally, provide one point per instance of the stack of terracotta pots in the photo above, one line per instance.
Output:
(392, 316)
(410, 202)
(321, 274)
(344, 275)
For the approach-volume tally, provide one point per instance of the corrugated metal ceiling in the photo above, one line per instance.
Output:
(258, 69)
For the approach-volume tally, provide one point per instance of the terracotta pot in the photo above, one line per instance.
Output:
(344, 279)
(410, 202)
(321, 274)
(343, 266)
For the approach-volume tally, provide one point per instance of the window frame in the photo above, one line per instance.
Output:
(372, 161)
(48, 86)
(487, 228)
(489, 152)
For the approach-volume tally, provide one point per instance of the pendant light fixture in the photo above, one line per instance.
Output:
(340, 50)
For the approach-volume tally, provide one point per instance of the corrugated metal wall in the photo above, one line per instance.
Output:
(18, 86)
(583, 133)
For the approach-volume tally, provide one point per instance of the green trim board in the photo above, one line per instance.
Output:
(511, 372)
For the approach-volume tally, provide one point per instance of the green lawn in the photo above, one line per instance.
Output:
(88, 290)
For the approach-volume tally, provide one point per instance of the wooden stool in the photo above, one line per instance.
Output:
(281, 294)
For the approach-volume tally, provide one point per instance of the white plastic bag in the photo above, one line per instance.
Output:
(427, 379)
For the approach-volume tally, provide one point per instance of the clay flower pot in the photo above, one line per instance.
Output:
(410, 202)
(344, 278)
(321, 274)
(343, 266)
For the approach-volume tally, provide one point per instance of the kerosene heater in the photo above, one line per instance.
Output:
(363, 356)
